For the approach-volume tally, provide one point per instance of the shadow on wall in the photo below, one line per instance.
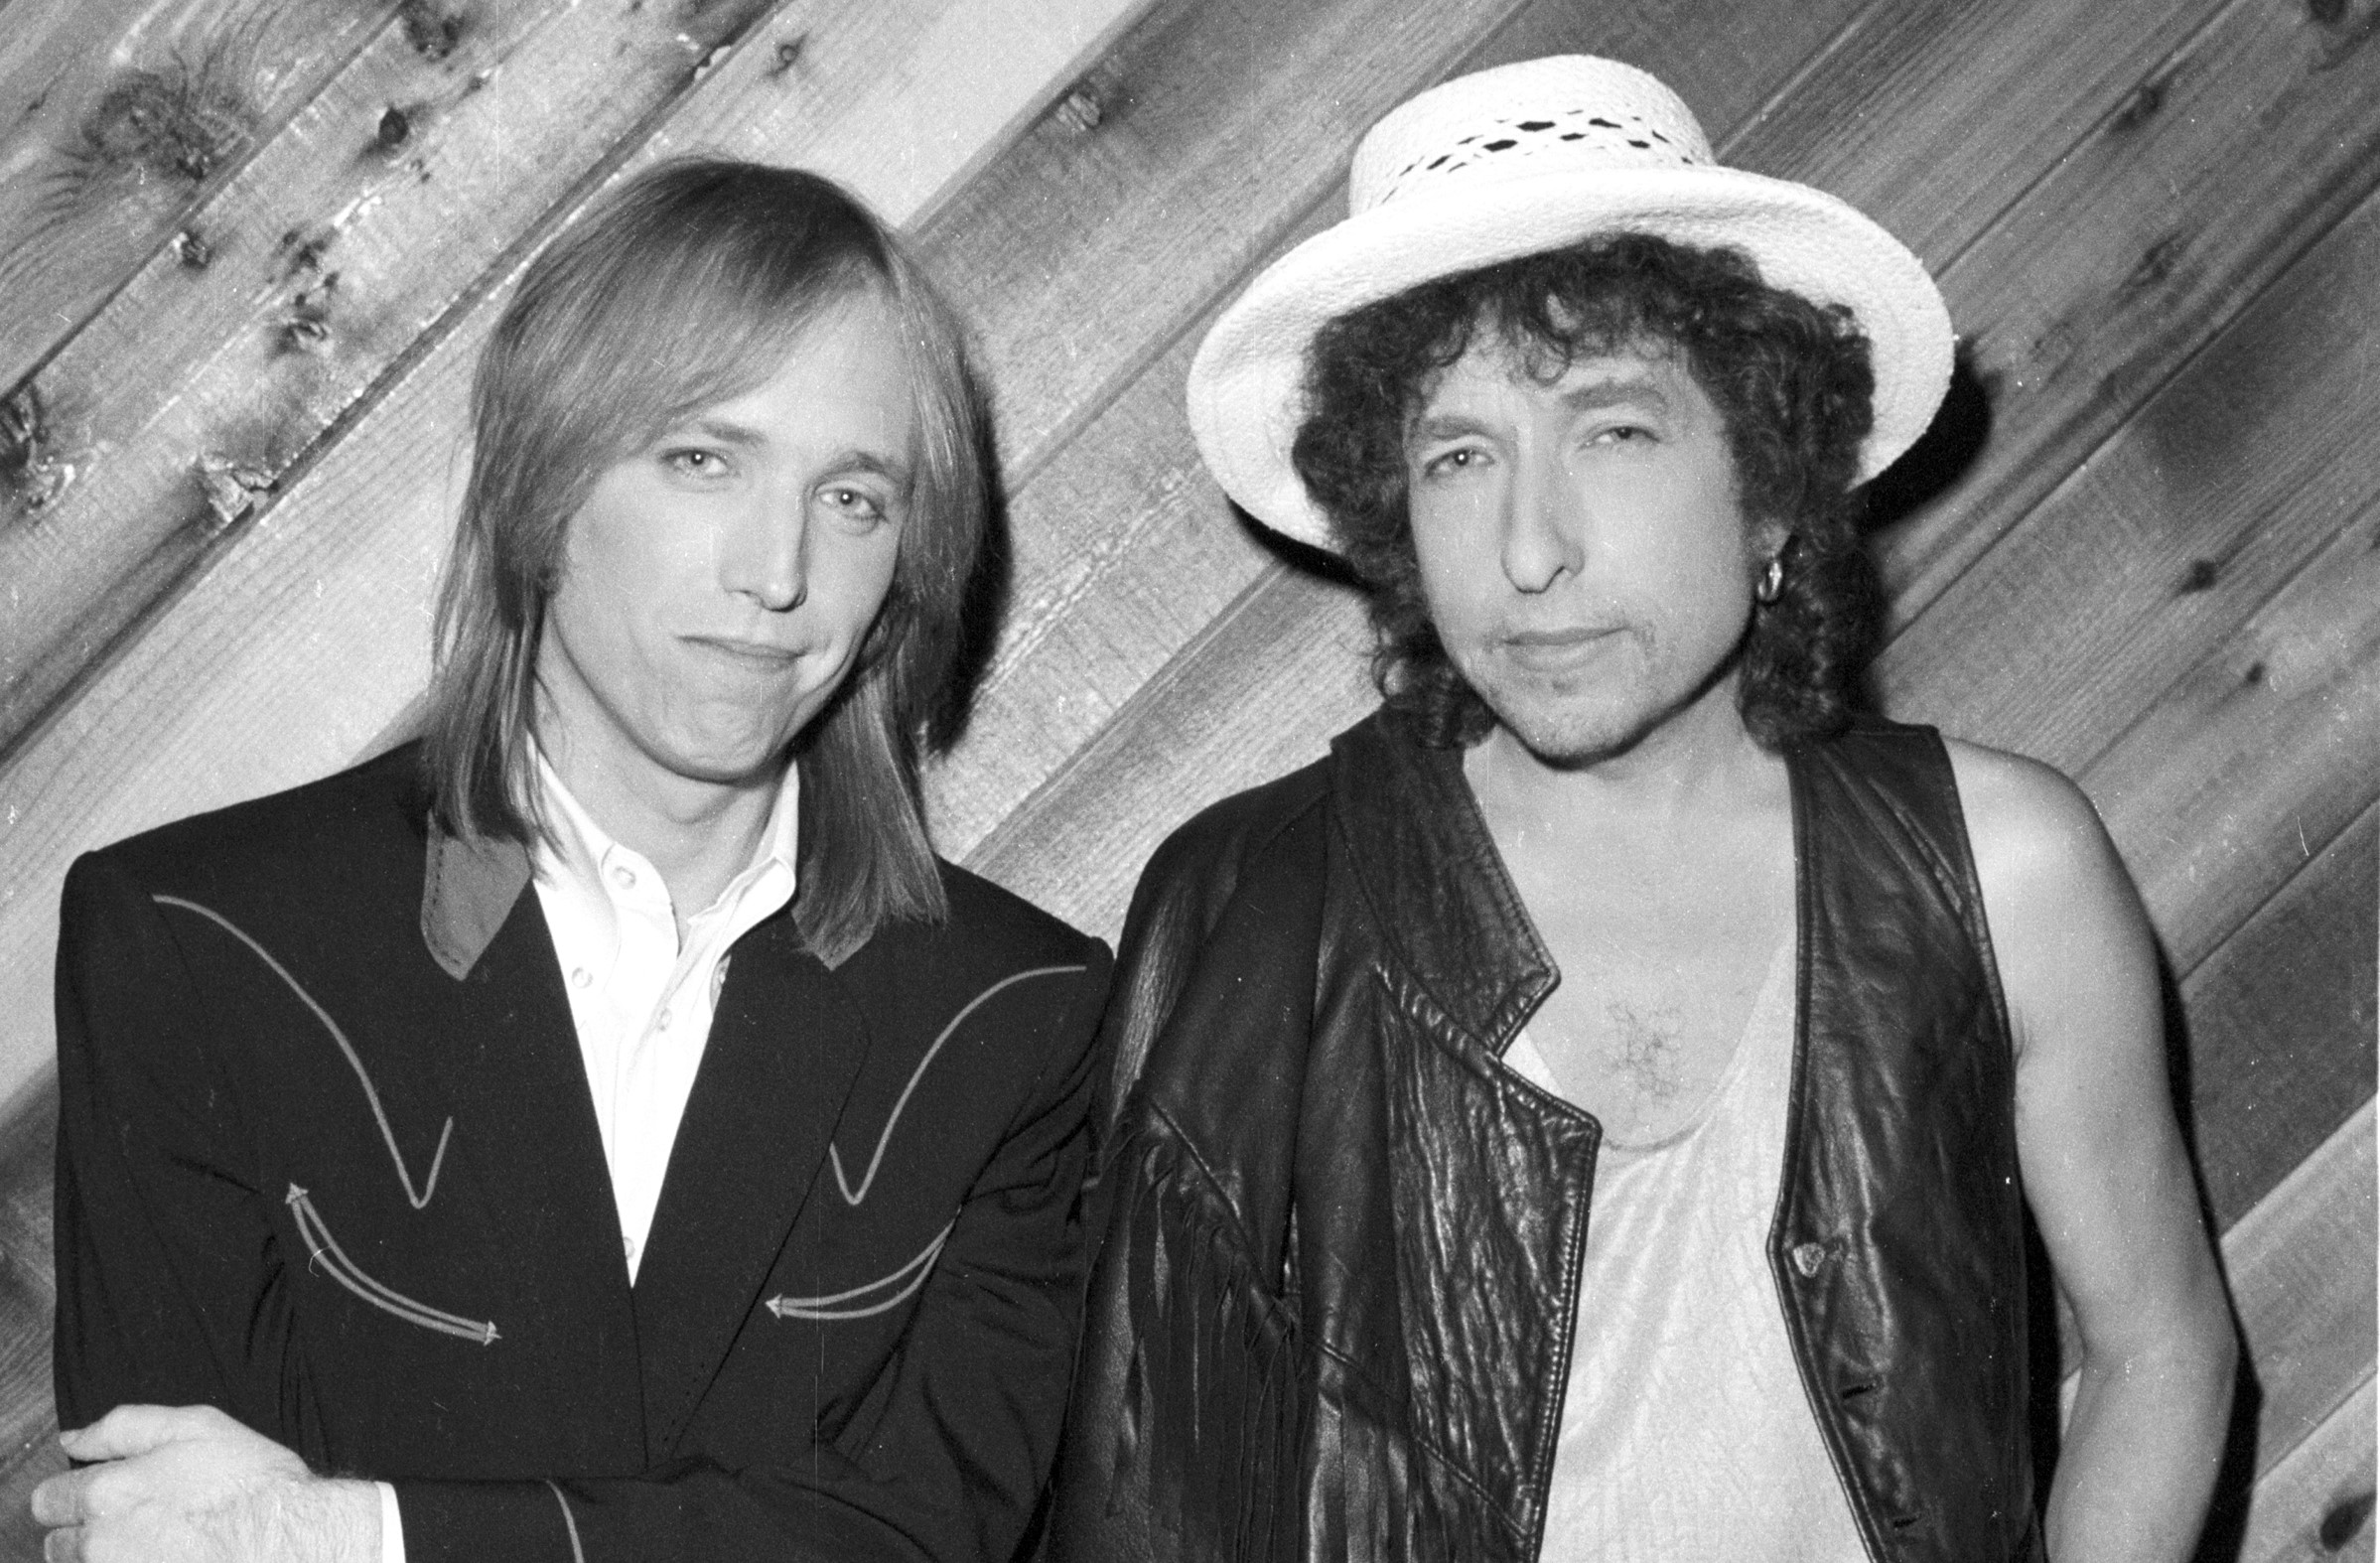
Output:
(1941, 456)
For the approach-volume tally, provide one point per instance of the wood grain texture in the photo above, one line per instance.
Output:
(2280, 1020)
(1935, 117)
(2257, 757)
(298, 646)
(116, 118)
(2315, 1506)
(1256, 694)
(2229, 158)
(2215, 492)
(28, 1450)
(199, 389)
(1217, 124)
(2301, 1267)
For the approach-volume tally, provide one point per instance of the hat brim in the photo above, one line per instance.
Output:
(1247, 396)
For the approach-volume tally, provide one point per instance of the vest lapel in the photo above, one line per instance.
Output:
(786, 1043)
(1423, 851)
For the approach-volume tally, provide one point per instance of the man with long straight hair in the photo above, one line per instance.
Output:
(603, 1124)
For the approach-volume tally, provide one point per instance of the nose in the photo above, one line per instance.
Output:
(763, 552)
(1543, 525)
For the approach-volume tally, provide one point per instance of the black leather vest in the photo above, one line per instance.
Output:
(1332, 1316)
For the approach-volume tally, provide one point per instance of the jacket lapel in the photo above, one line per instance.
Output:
(786, 1043)
(526, 1141)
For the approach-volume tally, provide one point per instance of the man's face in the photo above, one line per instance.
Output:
(717, 584)
(1583, 553)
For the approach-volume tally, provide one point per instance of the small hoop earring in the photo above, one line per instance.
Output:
(1772, 581)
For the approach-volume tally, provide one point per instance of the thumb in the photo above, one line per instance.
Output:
(136, 1429)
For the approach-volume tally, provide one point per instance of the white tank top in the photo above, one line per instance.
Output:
(1686, 1432)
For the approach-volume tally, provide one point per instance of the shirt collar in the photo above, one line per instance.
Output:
(470, 882)
(583, 851)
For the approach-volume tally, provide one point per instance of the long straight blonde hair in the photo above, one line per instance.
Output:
(687, 286)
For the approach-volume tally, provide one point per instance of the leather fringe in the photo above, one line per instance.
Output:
(1217, 1382)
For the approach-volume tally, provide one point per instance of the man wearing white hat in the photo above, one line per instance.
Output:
(1593, 1113)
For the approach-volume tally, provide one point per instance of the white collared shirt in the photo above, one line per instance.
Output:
(640, 1000)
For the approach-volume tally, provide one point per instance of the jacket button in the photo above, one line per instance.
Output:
(1807, 1257)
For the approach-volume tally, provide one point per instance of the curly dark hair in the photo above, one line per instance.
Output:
(1791, 379)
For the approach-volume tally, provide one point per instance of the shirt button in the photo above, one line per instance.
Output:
(630, 1244)
(663, 1022)
(581, 977)
(625, 877)
(1807, 1257)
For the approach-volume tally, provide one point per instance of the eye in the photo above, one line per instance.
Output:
(854, 504)
(694, 461)
(1453, 463)
(1624, 434)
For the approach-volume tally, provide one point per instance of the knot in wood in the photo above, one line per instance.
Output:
(185, 121)
(231, 486)
(1080, 110)
(2345, 1521)
(430, 32)
(32, 473)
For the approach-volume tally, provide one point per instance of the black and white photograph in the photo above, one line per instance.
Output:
(1190, 780)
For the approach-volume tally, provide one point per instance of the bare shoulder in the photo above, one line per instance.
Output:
(2062, 910)
(2032, 830)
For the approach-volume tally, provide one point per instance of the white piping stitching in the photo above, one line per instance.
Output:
(324, 1250)
(835, 1155)
(578, 1553)
(823, 1309)
(354, 1061)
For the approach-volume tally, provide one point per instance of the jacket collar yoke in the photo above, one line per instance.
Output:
(1422, 852)
(468, 887)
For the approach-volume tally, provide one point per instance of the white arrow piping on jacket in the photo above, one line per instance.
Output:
(354, 1062)
(324, 1250)
(833, 1306)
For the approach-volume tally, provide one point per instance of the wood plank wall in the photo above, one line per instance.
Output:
(249, 248)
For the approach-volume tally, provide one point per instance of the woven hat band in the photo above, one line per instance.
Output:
(1568, 115)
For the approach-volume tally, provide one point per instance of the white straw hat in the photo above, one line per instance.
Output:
(1531, 157)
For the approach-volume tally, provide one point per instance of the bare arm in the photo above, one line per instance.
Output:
(2104, 1168)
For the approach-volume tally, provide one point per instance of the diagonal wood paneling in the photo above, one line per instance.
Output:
(203, 384)
(116, 117)
(2318, 1504)
(2281, 1018)
(2156, 223)
(2231, 157)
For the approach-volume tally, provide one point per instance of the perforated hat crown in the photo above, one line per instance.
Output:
(1589, 115)
(1531, 157)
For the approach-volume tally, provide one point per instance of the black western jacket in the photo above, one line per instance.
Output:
(328, 1160)
(1332, 1318)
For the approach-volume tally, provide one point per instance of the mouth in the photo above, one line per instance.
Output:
(759, 657)
(1556, 650)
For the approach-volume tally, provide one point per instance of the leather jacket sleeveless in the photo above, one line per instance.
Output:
(1331, 1317)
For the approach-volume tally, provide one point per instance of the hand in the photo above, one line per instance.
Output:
(190, 1484)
